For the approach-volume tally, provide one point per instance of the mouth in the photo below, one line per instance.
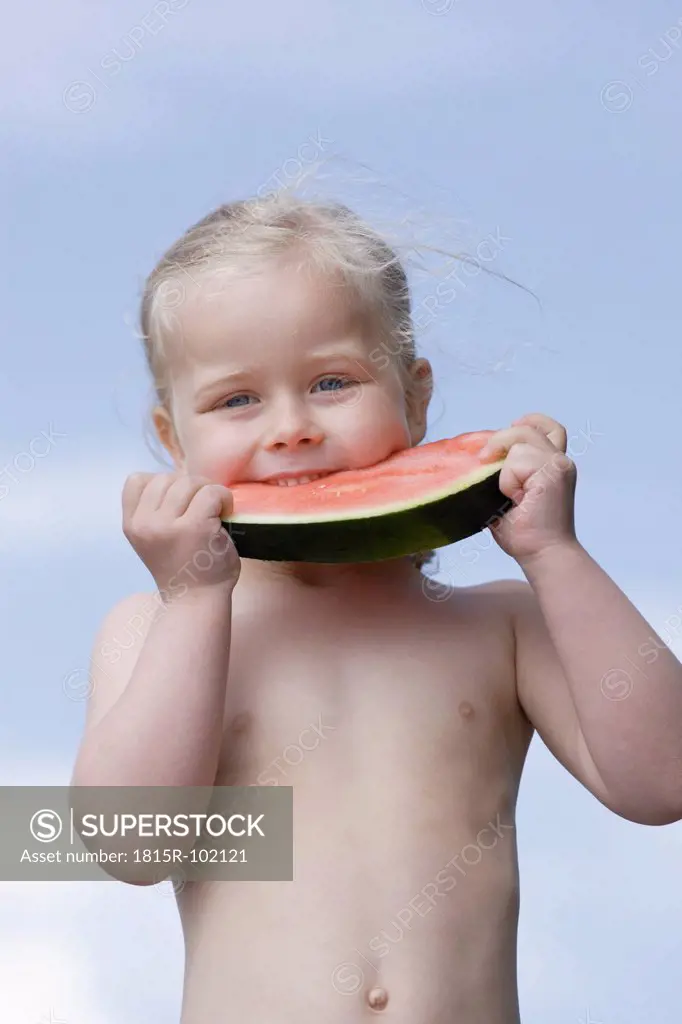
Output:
(292, 480)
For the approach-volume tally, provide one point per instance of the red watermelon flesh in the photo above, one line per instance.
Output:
(413, 476)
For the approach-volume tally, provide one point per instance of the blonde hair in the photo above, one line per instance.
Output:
(238, 237)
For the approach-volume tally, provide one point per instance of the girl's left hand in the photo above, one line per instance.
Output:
(540, 479)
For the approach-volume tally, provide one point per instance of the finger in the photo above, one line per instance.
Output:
(132, 491)
(503, 440)
(524, 462)
(553, 430)
(154, 493)
(213, 501)
(178, 497)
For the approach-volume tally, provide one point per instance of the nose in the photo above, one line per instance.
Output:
(293, 427)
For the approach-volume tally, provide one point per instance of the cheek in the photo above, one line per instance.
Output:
(214, 453)
(375, 426)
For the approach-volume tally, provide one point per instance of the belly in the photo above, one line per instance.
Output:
(405, 891)
(430, 935)
(405, 894)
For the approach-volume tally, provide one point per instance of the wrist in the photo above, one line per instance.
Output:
(209, 595)
(554, 558)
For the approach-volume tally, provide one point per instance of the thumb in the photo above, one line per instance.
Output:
(220, 502)
(226, 503)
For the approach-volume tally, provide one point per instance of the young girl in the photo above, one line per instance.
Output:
(262, 326)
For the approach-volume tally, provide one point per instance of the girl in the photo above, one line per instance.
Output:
(266, 329)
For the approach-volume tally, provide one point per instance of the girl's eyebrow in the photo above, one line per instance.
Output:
(216, 385)
(332, 350)
(351, 352)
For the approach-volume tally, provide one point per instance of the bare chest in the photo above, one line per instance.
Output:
(414, 694)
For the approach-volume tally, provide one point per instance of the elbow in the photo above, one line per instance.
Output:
(653, 813)
(670, 815)
(654, 801)
(656, 819)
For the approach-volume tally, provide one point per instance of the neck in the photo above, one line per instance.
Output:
(344, 578)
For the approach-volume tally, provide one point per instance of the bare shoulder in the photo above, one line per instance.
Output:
(504, 588)
(115, 650)
(497, 607)
(492, 597)
(134, 614)
(514, 599)
(498, 595)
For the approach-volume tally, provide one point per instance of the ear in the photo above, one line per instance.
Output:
(417, 398)
(166, 433)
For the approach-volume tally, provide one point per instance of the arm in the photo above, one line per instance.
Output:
(158, 720)
(617, 729)
(155, 717)
(612, 718)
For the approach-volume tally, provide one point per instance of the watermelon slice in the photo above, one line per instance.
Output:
(419, 498)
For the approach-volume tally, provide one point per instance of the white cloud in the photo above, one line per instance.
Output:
(69, 945)
(66, 502)
(42, 982)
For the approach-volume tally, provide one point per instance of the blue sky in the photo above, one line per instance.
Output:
(552, 127)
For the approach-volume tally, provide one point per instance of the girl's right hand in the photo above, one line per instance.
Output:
(173, 521)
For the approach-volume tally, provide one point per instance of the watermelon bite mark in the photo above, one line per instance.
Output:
(420, 498)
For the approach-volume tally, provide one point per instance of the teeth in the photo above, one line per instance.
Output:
(292, 482)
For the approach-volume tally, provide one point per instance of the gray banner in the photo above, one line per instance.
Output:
(144, 835)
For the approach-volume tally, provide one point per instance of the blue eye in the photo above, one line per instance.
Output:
(345, 382)
(226, 404)
(233, 402)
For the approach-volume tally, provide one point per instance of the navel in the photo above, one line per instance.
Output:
(378, 998)
(466, 709)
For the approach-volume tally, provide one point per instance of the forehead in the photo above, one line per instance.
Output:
(280, 306)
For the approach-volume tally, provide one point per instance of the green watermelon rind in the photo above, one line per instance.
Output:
(465, 508)
(342, 513)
